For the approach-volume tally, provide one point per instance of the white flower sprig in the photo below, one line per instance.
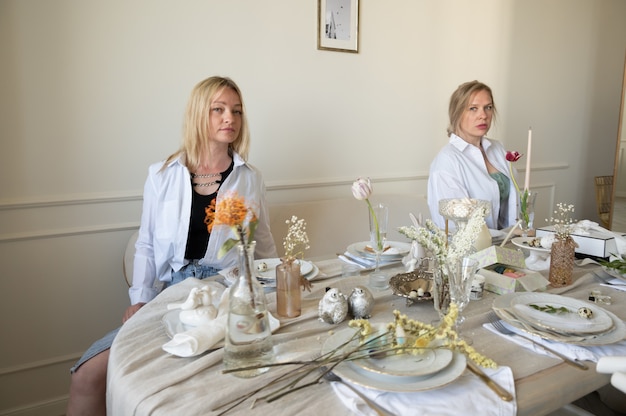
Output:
(297, 240)
(435, 240)
(562, 220)
(411, 232)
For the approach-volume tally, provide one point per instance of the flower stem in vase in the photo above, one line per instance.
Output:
(378, 218)
(527, 212)
(248, 340)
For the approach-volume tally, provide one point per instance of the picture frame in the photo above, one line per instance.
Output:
(338, 25)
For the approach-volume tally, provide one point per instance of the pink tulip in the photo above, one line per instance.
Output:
(362, 188)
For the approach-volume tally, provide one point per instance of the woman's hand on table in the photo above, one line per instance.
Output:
(131, 310)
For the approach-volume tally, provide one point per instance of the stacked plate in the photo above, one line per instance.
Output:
(265, 270)
(559, 318)
(363, 254)
(397, 373)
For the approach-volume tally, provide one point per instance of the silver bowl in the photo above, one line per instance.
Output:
(408, 285)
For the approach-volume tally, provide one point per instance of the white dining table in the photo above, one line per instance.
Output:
(145, 380)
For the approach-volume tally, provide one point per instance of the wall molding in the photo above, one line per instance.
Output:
(68, 232)
(33, 365)
(134, 196)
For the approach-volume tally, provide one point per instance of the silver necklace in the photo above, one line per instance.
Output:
(206, 175)
(206, 184)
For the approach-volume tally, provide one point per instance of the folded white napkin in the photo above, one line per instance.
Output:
(615, 366)
(615, 284)
(451, 400)
(361, 262)
(198, 339)
(590, 353)
(206, 334)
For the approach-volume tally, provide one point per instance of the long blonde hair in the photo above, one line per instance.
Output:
(460, 100)
(196, 130)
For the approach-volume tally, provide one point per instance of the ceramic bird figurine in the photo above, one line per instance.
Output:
(333, 307)
(198, 308)
(360, 303)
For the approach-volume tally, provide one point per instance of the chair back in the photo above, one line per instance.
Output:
(129, 257)
(604, 194)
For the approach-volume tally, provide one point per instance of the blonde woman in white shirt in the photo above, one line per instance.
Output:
(174, 242)
(471, 165)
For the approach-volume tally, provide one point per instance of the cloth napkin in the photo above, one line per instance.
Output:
(451, 400)
(615, 366)
(200, 338)
(364, 263)
(589, 353)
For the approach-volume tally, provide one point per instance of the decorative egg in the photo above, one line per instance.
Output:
(585, 312)
(262, 267)
(547, 241)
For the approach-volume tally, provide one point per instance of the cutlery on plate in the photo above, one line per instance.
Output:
(330, 376)
(497, 324)
(355, 260)
(551, 335)
(498, 389)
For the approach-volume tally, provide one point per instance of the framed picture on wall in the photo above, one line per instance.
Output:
(338, 25)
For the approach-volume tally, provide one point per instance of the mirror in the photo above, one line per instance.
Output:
(617, 217)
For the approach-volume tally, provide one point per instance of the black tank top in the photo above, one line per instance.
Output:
(198, 235)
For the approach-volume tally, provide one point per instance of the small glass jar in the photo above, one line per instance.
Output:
(288, 297)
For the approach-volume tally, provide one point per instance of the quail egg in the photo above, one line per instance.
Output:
(585, 312)
(262, 266)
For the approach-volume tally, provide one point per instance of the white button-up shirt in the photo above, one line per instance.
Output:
(162, 238)
(459, 171)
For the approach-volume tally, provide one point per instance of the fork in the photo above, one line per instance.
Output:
(330, 376)
(499, 326)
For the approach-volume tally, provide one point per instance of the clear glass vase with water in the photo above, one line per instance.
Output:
(248, 341)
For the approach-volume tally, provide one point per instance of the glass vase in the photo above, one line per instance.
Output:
(459, 210)
(288, 297)
(460, 272)
(526, 212)
(562, 257)
(441, 290)
(248, 341)
(379, 216)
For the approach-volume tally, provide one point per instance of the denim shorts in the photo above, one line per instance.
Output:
(192, 269)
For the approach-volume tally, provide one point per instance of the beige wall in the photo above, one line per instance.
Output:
(93, 91)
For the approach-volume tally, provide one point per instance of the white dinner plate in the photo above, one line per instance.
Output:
(408, 365)
(618, 333)
(566, 322)
(271, 283)
(173, 325)
(428, 361)
(522, 242)
(396, 250)
(306, 267)
(357, 375)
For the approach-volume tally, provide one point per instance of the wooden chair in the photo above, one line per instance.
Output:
(604, 193)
